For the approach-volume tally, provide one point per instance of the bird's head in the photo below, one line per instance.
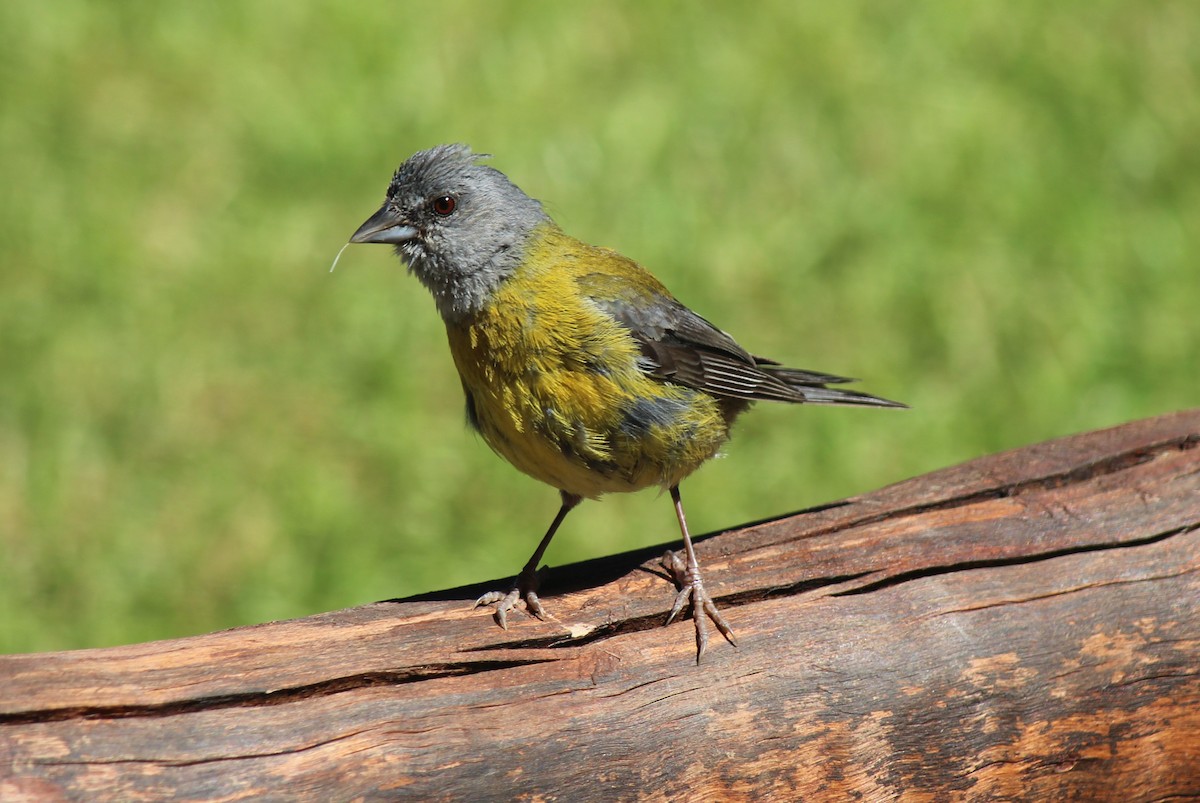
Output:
(459, 225)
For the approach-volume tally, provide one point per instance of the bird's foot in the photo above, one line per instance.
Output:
(691, 589)
(525, 588)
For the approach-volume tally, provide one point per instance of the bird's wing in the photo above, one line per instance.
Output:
(677, 345)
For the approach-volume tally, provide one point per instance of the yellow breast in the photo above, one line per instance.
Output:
(553, 385)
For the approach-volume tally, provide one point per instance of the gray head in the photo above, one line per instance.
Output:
(461, 226)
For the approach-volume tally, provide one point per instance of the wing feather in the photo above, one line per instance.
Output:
(679, 346)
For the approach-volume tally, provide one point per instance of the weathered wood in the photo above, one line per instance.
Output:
(1024, 626)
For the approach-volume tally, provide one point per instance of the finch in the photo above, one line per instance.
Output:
(578, 366)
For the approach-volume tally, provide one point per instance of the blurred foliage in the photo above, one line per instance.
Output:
(989, 211)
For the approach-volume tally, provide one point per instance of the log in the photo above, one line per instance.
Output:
(1023, 626)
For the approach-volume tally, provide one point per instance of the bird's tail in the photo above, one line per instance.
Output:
(811, 385)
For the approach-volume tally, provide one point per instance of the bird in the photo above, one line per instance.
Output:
(578, 366)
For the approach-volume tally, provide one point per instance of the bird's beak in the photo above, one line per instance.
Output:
(384, 227)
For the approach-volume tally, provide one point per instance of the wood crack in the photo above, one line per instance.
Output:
(1053, 594)
(193, 762)
(1017, 560)
(263, 698)
(1112, 464)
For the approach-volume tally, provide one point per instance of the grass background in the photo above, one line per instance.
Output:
(990, 211)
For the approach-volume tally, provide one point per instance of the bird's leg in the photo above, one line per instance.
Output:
(686, 573)
(525, 586)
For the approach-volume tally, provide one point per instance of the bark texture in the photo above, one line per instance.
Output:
(1021, 627)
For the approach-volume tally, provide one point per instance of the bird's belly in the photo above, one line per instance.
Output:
(589, 435)
(555, 389)
(557, 462)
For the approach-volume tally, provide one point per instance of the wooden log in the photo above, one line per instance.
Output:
(1023, 626)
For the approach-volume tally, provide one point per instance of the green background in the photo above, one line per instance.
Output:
(990, 211)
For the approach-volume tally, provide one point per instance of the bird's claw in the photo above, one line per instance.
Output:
(525, 588)
(691, 589)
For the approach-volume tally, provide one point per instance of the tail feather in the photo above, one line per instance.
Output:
(815, 394)
(811, 385)
(797, 376)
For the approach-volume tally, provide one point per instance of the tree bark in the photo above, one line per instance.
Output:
(1023, 626)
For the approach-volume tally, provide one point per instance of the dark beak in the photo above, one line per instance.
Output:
(384, 227)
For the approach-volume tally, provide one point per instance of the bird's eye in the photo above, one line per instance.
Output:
(444, 205)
